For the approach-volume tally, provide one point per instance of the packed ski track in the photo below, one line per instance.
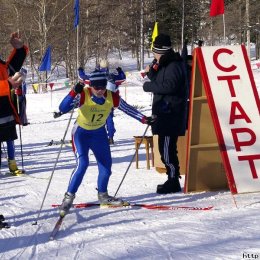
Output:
(230, 230)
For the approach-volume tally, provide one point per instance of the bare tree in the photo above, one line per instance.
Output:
(115, 27)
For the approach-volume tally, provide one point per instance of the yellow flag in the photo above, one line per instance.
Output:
(35, 88)
(155, 33)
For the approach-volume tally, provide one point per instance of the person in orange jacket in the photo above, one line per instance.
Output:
(11, 78)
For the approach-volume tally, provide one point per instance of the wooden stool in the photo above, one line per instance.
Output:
(148, 142)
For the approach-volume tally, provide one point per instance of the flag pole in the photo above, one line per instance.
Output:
(46, 84)
(224, 27)
(51, 97)
(76, 25)
(155, 33)
(218, 7)
(182, 24)
(46, 66)
(77, 58)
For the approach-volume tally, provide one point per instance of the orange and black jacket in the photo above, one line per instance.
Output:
(14, 63)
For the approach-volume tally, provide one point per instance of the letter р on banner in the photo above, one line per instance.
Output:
(234, 106)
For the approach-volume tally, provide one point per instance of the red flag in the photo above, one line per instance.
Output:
(51, 85)
(217, 7)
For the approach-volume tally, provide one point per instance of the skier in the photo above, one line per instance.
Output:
(9, 79)
(118, 77)
(89, 132)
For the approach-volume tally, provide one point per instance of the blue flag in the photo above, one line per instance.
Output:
(76, 13)
(46, 61)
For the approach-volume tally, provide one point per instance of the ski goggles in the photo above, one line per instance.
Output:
(99, 87)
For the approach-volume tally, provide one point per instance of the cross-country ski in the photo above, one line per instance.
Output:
(137, 205)
(56, 228)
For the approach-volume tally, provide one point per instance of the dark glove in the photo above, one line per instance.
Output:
(57, 114)
(154, 65)
(186, 41)
(80, 69)
(111, 78)
(78, 88)
(200, 43)
(119, 69)
(149, 120)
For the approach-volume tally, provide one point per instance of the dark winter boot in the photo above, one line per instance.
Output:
(66, 204)
(3, 224)
(170, 186)
(111, 141)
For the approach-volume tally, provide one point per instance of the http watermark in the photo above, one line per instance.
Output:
(250, 255)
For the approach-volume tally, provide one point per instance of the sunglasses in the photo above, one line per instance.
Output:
(99, 87)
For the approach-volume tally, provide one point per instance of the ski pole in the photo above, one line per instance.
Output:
(20, 131)
(136, 150)
(21, 146)
(0, 157)
(54, 168)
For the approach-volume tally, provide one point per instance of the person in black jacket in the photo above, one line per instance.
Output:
(168, 83)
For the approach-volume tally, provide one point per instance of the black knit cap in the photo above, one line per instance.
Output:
(162, 44)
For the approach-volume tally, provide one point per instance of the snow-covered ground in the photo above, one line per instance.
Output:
(225, 232)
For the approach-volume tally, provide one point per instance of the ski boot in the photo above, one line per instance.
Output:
(66, 204)
(13, 168)
(3, 224)
(108, 201)
(172, 185)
